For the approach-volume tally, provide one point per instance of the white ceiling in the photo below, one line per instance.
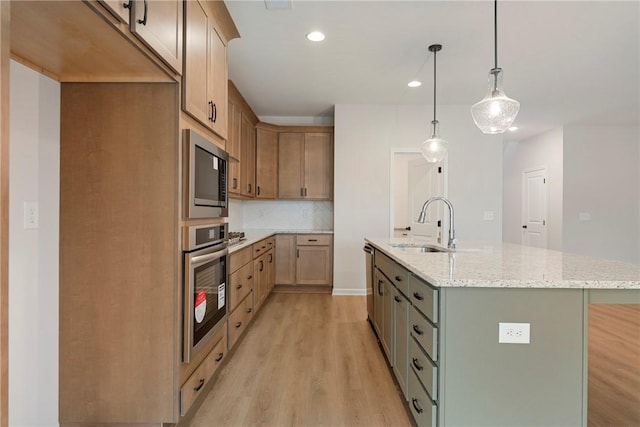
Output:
(565, 61)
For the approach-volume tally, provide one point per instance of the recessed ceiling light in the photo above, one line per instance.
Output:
(513, 128)
(315, 36)
(414, 83)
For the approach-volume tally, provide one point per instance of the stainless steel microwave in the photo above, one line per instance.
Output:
(205, 175)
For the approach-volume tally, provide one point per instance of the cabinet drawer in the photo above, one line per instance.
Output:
(240, 258)
(424, 411)
(314, 239)
(424, 298)
(240, 284)
(425, 334)
(260, 248)
(201, 376)
(400, 278)
(384, 264)
(240, 318)
(271, 242)
(425, 370)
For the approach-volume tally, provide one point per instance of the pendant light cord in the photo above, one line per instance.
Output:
(495, 32)
(434, 85)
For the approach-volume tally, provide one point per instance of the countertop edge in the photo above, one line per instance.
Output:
(254, 236)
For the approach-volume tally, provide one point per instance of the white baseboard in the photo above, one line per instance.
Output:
(344, 292)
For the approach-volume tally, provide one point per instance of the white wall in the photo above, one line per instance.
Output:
(364, 137)
(601, 179)
(542, 150)
(33, 253)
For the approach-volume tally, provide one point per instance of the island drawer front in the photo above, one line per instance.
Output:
(401, 279)
(424, 411)
(240, 258)
(424, 333)
(314, 239)
(384, 264)
(240, 284)
(240, 318)
(425, 370)
(260, 248)
(201, 376)
(424, 298)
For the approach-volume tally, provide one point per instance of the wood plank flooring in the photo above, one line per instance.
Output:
(614, 365)
(307, 360)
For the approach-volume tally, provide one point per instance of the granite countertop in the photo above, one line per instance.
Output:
(507, 265)
(254, 236)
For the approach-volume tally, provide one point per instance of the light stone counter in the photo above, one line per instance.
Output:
(506, 265)
(254, 236)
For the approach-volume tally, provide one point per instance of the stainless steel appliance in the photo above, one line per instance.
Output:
(205, 177)
(206, 260)
(369, 252)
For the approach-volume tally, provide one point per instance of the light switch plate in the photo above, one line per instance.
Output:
(488, 215)
(31, 215)
(585, 216)
(514, 333)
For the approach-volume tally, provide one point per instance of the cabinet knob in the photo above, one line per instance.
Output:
(417, 365)
(238, 325)
(418, 296)
(199, 386)
(238, 286)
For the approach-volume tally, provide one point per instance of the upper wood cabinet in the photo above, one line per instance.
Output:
(305, 166)
(159, 25)
(205, 93)
(241, 145)
(248, 155)
(266, 163)
(234, 146)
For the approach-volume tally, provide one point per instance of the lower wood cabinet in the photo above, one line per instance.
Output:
(191, 389)
(314, 263)
(285, 268)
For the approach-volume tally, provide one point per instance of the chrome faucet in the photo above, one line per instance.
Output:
(452, 232)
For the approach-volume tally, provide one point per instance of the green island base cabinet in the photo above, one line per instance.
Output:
(441, 337)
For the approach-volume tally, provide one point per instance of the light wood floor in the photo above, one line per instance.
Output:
(307, 360)
(614, 365)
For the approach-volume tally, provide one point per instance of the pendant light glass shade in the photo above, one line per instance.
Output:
(435, 148)
(496, 111)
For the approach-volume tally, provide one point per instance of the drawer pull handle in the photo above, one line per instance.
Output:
(398, 279)
(418, 296)
(249, 310)
(418, 366)
(397, 298)
(219, 358)
(200, 384)
(418, 409)
(417, 329)
(238, 324)
(238, 286)
(250, 277)
(313, 240)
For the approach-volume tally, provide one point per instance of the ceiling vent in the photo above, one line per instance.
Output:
(278, 4)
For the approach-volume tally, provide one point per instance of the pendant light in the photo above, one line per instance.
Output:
(496, 111)
(435, 148)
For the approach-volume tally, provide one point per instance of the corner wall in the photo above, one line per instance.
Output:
(364, 138)
(33, 253)
(542, 150)
(601, 212)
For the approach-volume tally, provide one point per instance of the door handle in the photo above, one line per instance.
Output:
(235, 183)
(418, 366)
(214, 114)
(418, 296)
(199, 386)
(143, 21)
(257, 190)
(524, 226)
(417, 330)
(397, 298)
(220, 356)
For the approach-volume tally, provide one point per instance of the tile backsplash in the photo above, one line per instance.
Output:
(280, 214)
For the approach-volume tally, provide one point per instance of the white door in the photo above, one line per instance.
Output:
(425, 181)
(534, 208)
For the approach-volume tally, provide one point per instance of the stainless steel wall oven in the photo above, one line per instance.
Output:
(206, 260)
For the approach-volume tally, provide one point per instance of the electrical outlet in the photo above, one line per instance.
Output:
(488, 215)
(31, 215)
(514, 333)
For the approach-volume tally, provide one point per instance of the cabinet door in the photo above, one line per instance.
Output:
(313, 265)
(159, 25)
(234, 148)
(290, 165)
(271, 272)
(194, 91)
(217, 85)
(285, 271)
(318, 166)
(401, 340)
(387, 320)
(258, 281)
(378, 303)
(266, 164)
(248, 162)
(117, 8)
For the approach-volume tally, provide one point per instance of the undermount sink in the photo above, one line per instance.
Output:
(418, 247)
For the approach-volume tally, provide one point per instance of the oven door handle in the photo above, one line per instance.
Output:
(197, 260)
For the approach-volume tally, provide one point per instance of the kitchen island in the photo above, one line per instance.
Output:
(438, 316)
